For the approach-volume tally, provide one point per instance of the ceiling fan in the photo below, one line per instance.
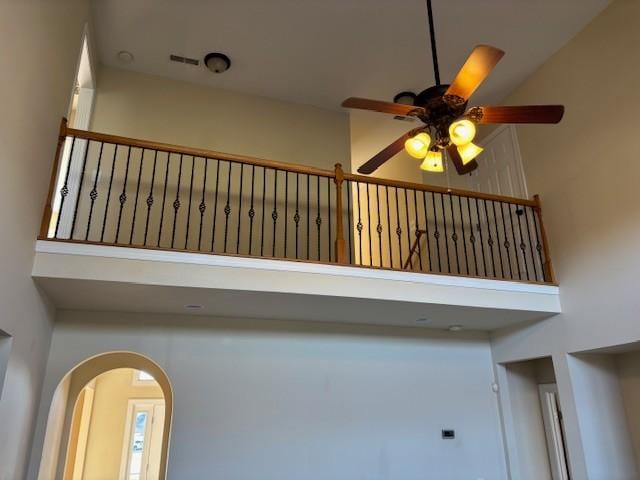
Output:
(447, 124)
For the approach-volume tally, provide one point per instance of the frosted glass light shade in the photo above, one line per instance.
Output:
(418, 145)
(462, 132)
(433, 162)
(469, 151)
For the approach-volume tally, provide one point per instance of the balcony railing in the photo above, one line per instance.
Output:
(112, 190)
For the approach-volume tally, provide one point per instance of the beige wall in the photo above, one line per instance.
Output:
(147, 107)
(113, 390)
(39, 46)
(586, 172)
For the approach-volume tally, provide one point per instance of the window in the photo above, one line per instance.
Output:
(142, 378)
(143, 440)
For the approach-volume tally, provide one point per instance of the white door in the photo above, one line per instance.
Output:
(143, 440)
(500, 166)
(552, 419)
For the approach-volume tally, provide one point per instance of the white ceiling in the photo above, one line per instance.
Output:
(320, 51)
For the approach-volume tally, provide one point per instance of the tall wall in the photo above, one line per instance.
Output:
(287, 400)
(153, 108)
(586, 172)
(40, 42)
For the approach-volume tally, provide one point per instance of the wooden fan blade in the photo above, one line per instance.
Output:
(477, 67)
(386, 153)
(518, 114)
(383, 107)
(462, 169)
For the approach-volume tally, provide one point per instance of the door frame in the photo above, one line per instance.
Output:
(131, 404)
(554, 430)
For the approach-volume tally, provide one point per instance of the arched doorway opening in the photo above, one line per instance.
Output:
(110, 417)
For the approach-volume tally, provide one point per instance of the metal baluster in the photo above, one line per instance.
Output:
(274, 214)
(296, 217)
(164, 198)
(252, 211)
(379, 226)
(533, 260)
(539, 247)
(484, 261)
(406, 211)
(81, 183)
(286, 209)
(123, 195)
(318, 219)
(436, 233)
(215, 205)
(398, 228)
(349, 219)
(64, 191)
(186, 234)
(240, 208)
(506, 240)
(454, 235)
(523, 247)
(464, 237)
(446, 235)
(415, 205)
(264, 193)
(329, 214)
(426, 228)
(490, 241)
(308, 217)
(495, 219)
(386, 188)
(369, 227)
(93, 195)
(135, 203)
(176, 203)
(227, 207)
(513, 236)
(359, 224)
(150, 197)
(472, 238)
(202, 207)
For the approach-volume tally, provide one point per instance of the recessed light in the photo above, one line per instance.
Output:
(455, 328)
(217, 62)
(193, 306)
(125, 57)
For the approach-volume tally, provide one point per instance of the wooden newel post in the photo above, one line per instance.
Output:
(341, 255)
(48, 208)
(549, 274)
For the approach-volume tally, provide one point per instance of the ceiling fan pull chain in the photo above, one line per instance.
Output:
(434, 53)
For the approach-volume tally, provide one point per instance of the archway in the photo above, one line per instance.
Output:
(58, 454)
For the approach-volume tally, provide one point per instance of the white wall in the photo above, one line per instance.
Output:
(586, 172)
(607, 446)
(154, 108)
(40, 42)
(278, 400)
(628, 365)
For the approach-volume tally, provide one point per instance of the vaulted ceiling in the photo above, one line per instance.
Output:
(320, 51)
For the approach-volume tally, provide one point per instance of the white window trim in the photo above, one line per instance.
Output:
(142, 383)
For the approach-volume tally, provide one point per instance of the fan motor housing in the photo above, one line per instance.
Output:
(441, 111)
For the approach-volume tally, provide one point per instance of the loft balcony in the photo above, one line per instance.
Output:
(114, 200)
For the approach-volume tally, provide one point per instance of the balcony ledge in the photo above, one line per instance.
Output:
(100, 277)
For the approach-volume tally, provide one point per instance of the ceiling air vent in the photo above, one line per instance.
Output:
(179, 59)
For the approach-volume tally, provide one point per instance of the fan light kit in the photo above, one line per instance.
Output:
(217, 62)
(448, 125)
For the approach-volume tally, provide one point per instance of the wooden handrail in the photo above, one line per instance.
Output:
(199, 152)
(433, 188)
(48, 207)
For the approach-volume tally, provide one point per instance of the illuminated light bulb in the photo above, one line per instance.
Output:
(433, 162)
(469, 151)
(418, 146)
(462, 132)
